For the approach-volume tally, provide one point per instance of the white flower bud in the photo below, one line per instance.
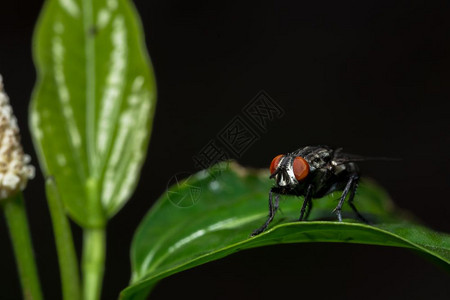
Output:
(14, 164)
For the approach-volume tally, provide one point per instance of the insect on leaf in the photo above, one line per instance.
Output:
(232, 203)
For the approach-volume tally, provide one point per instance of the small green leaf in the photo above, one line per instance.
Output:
(93, 104)
(228, 204)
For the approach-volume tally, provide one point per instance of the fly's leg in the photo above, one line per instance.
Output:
(353, 178)
(272, 210)
(308, 209)
(352, 196)
(306, 202)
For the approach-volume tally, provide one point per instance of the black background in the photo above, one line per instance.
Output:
(370, 76)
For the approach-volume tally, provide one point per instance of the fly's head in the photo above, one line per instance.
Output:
(288, 170)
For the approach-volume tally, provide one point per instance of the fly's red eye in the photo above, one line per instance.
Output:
(275, 162)
(301, 168)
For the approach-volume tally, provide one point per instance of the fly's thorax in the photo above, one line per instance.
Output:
(318, 158)
(341, 168)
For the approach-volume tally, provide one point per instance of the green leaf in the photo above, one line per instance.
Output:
(93, 105)
(212, 214)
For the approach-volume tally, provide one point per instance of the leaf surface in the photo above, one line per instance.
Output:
(93, 104)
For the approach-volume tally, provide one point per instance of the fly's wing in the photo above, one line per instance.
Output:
(342, 158)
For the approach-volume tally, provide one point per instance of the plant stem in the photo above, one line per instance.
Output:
(68, 265)
(16, 218)
(94, 249)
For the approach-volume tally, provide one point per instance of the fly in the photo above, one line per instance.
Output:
(313, 172)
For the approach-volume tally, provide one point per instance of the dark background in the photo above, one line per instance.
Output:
(370, 76)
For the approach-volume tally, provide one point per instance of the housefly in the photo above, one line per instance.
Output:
(313, 172)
